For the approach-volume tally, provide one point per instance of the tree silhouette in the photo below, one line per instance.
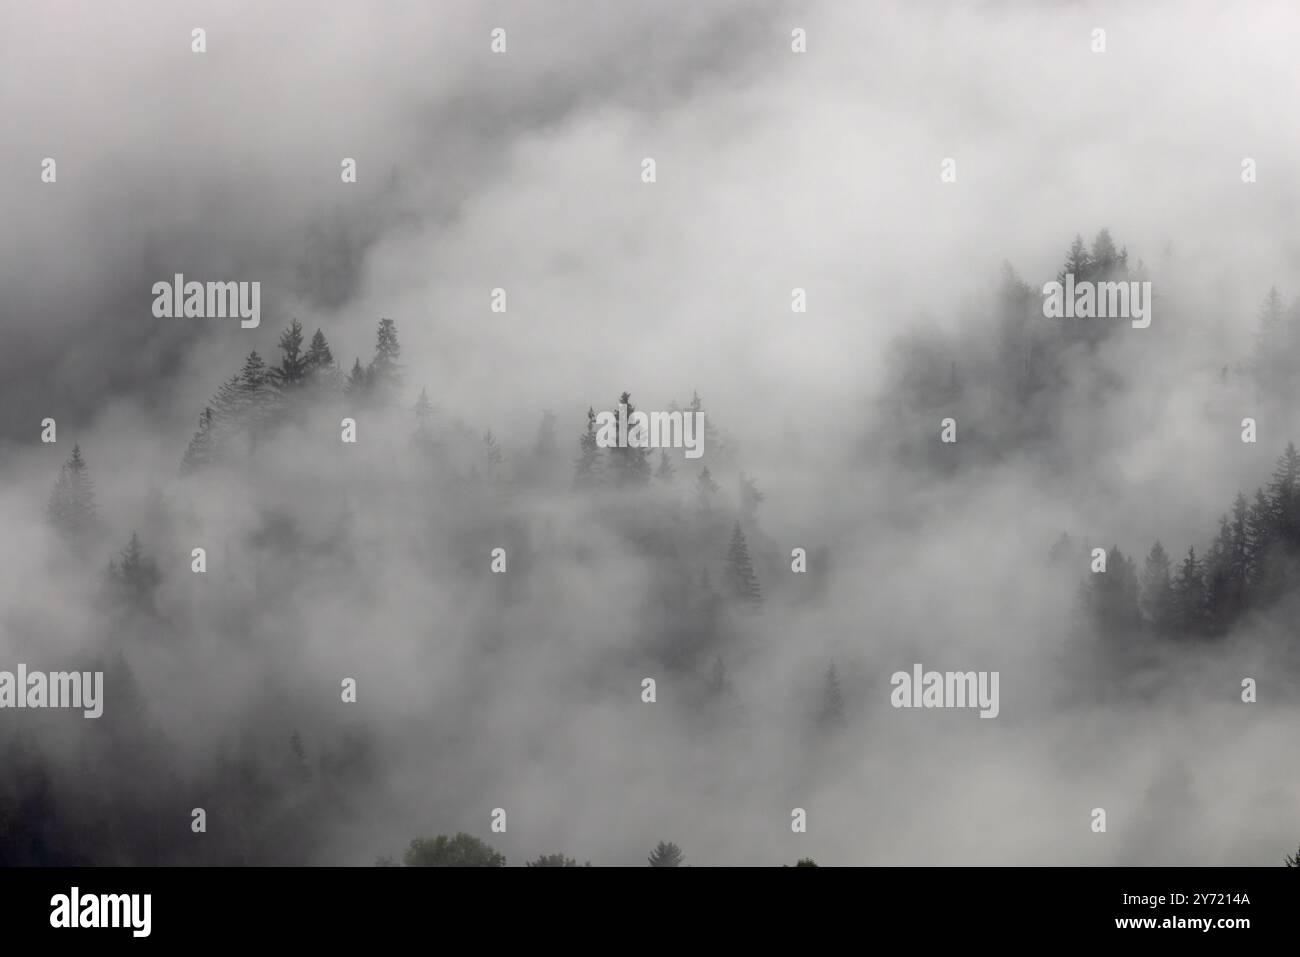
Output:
(588, 469)
(831, 714)
(740, 570)
(666, 854)
(555, 860)
(705, 488)
(71, 509)
(463, 850)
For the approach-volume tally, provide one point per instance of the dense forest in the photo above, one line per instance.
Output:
(276, 786)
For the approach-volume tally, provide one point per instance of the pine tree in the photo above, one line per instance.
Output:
(712, 440)
(1262, 533)
(358, 383)
(423, 411)
(293, 368)
(666, 854)
(256, 396)
(298, 765)
(319, 355)
(136, 573)
(1217, 573)
(1077, 262)
(1158, 591)
(664, 474)
(705, 488)
(546, 446)
(1189, 597)
(1284, 497)
(740, 570)
(71, 509)
(750, 499)
(492, 453)
(630, 465)
(831, 714)
(1104, 259)
(383, 373)
(201, 450)
(1114, 598)
(588, 469)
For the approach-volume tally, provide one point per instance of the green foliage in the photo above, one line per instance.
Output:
(556, 860)
(463, 850)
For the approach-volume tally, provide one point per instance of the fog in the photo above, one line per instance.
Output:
(328, 560)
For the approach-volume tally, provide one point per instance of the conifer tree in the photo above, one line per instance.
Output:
(256, 396)
(666, 854)
(629, 465)
(1284, 497)
(546, 446)
(740, 570)
(1077, 262)
(664, 474)
(201, 450)
(384, 373)
(319, 355)
(1189, 597)
(423, 411)
(1158, 591)
(750, 499)
(71, 509)
(293, 367)
(588, 469)
(136, 573)
(831, 714)
(705, 488)
(357, 383)
(1261, 534)
(491, 453)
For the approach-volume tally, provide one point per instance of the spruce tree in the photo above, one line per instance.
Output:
(1189, 597)
(546, 446)
(384, 373)
(666, 854)
(1261, 535)
(491, 453)
(740, 570)
(750, 499)
(1158, 591)
(71, 509)
(256, 396)
(831, 714)
(630, 465)
(423, 411)
(136, 573)
(1284, 497)
(293, 367)
(201, 450)
(705, 488)
(358, 383)
(588, 469)
(664, 474)
(319, 355)
(1077, 262)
